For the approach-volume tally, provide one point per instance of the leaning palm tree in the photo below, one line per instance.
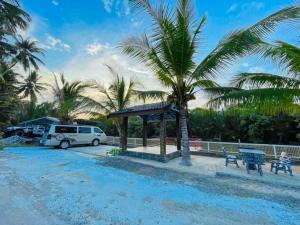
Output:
(120, 95)
(70, 99)
(171, 48)
(31, 87)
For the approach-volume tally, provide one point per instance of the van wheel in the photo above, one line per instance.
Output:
(95, 142)
(64, 144)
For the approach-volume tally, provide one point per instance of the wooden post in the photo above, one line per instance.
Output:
(145, 132)
(162, 135)
(178, 132)
(124, 133)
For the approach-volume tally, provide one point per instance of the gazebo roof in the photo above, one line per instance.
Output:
(150, 112)
(47, 120)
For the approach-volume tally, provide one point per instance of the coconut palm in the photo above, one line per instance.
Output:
(263, 92)
(269, 93)
(286, 55)
(12, 18)
(171, 48)
(120, 95)
(69, 97)
(8, 96)
(31, 87)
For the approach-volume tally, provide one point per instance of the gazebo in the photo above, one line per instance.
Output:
(150, 113)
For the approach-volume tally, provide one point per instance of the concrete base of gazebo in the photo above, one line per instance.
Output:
(153, 153)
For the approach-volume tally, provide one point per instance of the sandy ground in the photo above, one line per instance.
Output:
(43, 186)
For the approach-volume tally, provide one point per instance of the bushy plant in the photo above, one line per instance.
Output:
(115, 151)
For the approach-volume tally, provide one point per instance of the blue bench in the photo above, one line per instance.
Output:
(230, 158)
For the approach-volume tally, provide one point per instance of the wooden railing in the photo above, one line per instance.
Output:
(272, 151)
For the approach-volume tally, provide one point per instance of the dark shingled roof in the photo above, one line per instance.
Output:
(147, 110)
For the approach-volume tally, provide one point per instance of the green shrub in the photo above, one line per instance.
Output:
(115, 151)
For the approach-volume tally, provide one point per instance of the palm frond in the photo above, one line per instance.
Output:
(243, 42)
(254, 80)
(286, 55)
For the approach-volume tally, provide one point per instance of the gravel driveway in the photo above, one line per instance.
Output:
(40, 186)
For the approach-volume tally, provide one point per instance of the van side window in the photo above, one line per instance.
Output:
(98, 130)
(68, 130)
(85, 130)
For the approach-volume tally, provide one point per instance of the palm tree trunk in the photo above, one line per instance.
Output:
(186, 156)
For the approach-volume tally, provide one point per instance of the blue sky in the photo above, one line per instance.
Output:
(81, 36)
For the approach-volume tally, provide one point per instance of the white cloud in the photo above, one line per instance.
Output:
(108, 5)
(96, 48)
(136, 23)
(120, 6)
(250, 6)
(245, 8)
(54, 2)
(232, 8)
(56, 44)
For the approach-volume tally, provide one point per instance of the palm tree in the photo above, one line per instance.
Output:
(69, 98)
(264, 92)
(12, 17)
(120, 95)
(171, 48)
(31, 87)
(8, 96)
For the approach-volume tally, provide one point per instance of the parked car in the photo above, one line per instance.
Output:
(64, 136)
(14, 130)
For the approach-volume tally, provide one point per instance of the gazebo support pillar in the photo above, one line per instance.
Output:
(178, 132)
(124, 133)
(162, 135)
(145, 132)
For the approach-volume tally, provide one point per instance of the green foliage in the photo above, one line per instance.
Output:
(119, 95)
(231, 126)
(1, 147)
(115, 151)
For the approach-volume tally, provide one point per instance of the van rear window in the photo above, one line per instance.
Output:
(68, 130)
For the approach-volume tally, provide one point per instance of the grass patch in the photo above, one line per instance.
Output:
(115, 151)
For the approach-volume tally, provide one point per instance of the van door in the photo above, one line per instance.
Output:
(98, 133)
(85, 135)
(66, 132)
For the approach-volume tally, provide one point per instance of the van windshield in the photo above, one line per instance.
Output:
(98, 130)
(68, 130)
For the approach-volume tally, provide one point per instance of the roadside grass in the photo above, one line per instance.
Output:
(115, 152)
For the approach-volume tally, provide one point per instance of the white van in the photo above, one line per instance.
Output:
(63, 136)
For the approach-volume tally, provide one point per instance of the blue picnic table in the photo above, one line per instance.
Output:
(252, 157)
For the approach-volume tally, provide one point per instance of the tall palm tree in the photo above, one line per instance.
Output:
(120, 95)
(31, 87)
(12, 19)
(171, 48)
(70, 99)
